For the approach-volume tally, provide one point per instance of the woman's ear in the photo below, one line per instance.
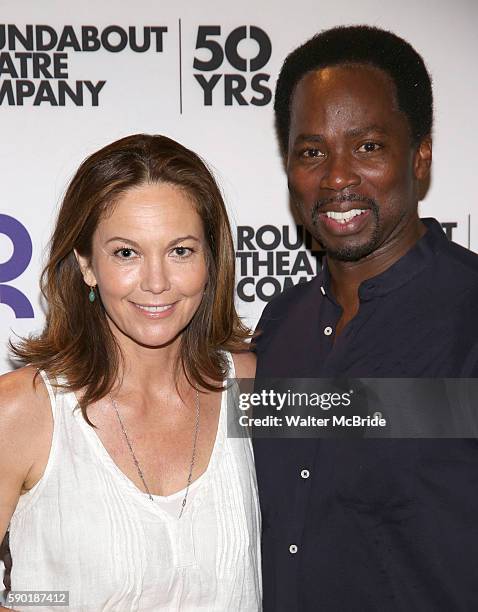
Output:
(86, 270)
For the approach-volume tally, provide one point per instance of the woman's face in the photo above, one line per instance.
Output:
(149, 264)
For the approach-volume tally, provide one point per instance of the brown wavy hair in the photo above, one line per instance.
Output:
(77, 345)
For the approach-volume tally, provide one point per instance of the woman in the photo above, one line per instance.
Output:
(116, 475)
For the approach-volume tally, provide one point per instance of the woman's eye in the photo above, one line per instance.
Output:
(125, 253)
(369, 147)
(181, 251)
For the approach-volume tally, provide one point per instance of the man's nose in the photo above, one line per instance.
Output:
(155, 276)
(339, 173)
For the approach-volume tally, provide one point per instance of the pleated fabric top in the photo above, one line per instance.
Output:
(87, 529)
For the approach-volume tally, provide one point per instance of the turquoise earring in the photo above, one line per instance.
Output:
(92, 295)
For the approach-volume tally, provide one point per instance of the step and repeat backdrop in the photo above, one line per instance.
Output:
(77, 75)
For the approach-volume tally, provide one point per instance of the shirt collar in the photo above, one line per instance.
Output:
(407, 267)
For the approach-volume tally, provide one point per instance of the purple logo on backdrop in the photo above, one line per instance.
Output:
(16, 265)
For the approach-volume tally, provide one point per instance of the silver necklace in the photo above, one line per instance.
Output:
(136, 462)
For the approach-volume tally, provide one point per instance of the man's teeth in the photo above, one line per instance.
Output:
(154, 308)
(344, 217)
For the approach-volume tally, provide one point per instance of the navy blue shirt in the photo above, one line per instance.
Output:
(371, 525)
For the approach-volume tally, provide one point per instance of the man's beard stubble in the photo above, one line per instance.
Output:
(347, 252)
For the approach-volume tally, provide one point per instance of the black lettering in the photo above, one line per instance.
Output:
(448, 228)
(60, 65)
(256, 84)
(15, 35)
(76, 95)
(267, 263)
(94, 90)
(234, 85)
(243, 256)
(24, 89)
(23, 57)
(6, 89)
(158, 31)
(245, 297)
(41, 62)
(207, 86)
(286, 237)
(41, 43)
(275, 234)
(45, 94)
(89, 38)
(262, 282)
(202, 42)
(302, 264)
(133, 42)
(68, 39)
(7, 66)
(265, 48)
(245, 234)
(108, 45)
(282, 263)
(232, 43)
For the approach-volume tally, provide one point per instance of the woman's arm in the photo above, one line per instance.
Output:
(25, 437)
(245, 364)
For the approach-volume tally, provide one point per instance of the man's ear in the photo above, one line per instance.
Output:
(423, 159)
(86, 271)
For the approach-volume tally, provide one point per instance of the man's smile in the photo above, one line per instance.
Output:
(342, 223)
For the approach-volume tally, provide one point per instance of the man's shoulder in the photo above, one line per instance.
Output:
(290, 299)
(452, 264)
(462, 260)
(456, 273)
(288, 311)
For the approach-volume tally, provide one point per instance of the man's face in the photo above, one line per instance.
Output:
(351, 165)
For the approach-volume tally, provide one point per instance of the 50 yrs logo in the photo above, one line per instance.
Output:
(244, 86)
(15, 266)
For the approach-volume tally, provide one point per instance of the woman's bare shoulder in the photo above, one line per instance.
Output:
(245, 364)
(24, 402)
(22, 389)
(26, 429)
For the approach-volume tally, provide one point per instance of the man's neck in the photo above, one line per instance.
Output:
(347, 276)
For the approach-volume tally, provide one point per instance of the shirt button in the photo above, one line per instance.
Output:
(305, 473)
(328, 331)
(292, 549)
(377, 415)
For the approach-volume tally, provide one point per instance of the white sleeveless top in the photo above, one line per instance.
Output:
(87, 529)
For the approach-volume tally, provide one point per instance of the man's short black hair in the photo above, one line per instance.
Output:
(364, 45)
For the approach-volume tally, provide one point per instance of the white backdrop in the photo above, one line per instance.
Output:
(160, 90)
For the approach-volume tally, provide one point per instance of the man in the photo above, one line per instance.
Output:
(367, 524)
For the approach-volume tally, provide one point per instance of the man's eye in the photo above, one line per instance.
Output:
(312, 153)
(369, 147)
(125, 253)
